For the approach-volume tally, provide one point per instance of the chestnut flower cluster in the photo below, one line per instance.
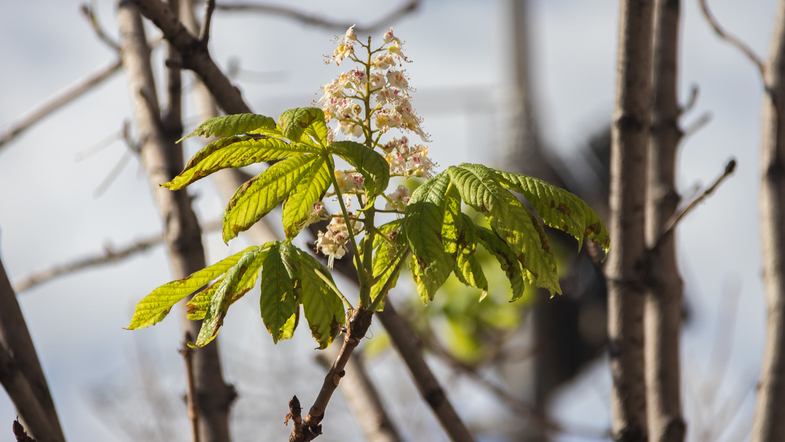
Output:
(366, 102)
(333, 242)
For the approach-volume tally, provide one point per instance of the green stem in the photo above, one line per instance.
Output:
(330, 284)
(348, 221)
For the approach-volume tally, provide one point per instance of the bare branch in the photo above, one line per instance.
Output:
(697, 125)
(740, 45)
(691, 101)
(363, 398)
(89, 12)
(204, 34)
(191, 396)
(315, 20)
(20, 370)
(678, 216)
(108, 256)
(162, 158)
(625, 277)
(59, 100)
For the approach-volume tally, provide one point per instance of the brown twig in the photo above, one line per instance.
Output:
(58, 101)
(89, 12)
(356, 327)
(109, 255)
(363, 398)
(723, 34)
(191, 396)
(315, 20)
(671, 225)
(696, 125)
(295, 415)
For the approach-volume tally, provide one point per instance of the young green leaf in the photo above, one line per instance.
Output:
(295, 122)
(257, 197)
(231, 125)
(230, 286)
(559, 209)
(385, 258)
(467, 267)
(198, 305)
(510, 219)
(507, 259)
(235, 151)
(313, 183)
(423, 224)
(373, 167)
(278, 305)
(322, 307)
(154, 307)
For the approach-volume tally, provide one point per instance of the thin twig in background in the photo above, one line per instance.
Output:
(204, 34)
(58, 101)
(740, 45)
(89, 12)
(696, 125)
(191, 397)
(315, 20)
(668, 229)
(108, 256)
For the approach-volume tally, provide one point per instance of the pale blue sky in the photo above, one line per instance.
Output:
(49, 215)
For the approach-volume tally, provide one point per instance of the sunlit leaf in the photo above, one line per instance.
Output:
(231, 125)
(235, 151)
(312, 185)
(278, 304)
(154, 307)
(559, 208)
(295, 122)
(230, 287)
(423, 224)
(257, 197)
(322, 307)
(373, 167)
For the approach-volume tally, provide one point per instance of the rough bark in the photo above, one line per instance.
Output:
(628, 184)
(163, 160)
(769, 422)
(20, 371)
(664, 289)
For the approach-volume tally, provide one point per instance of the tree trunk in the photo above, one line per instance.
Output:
(664, 286)
(163, 160)
(20, 371)
(628, 184)
(769, 422)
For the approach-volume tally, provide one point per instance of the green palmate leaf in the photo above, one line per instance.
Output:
(257, 197)
(373, 167)
(506, 257)
(322, 307)
(278, 304)
(312, 185)
(198, 305)
(467, 267)
(297, 122)
(234, 151)
(154, 307)
(510, 219)
(234, 284)
(559, 209)
(423, 224)
(231, 125)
